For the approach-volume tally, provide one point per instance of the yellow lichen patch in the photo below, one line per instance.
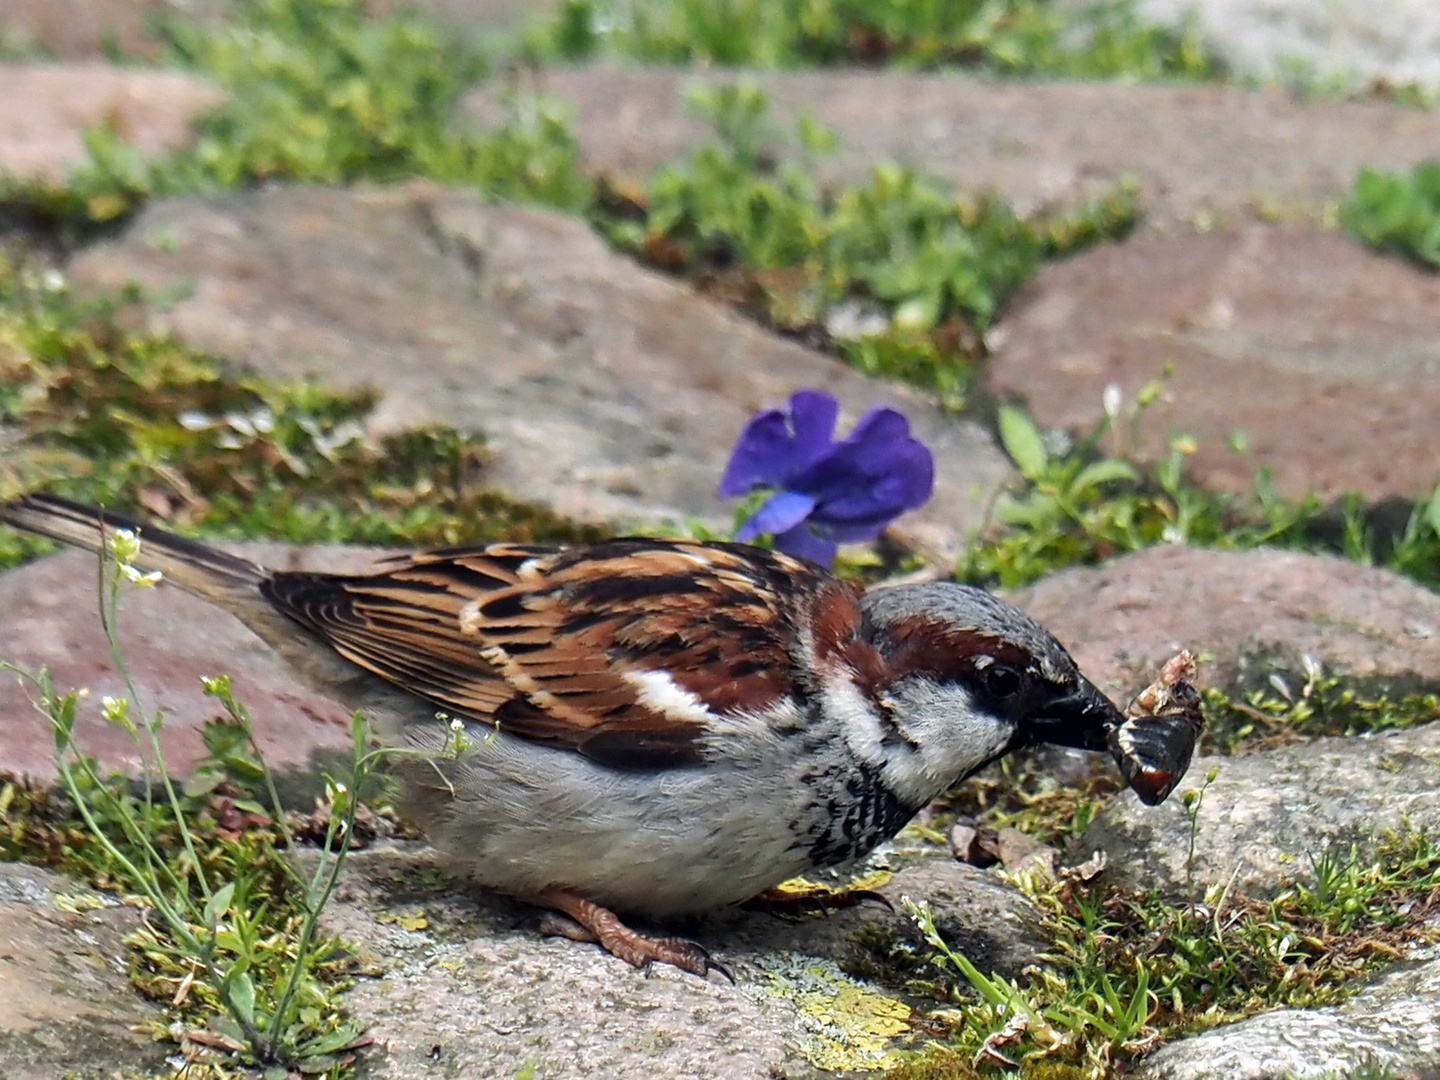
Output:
(844, 1025)
(414, 921)
(872, 879)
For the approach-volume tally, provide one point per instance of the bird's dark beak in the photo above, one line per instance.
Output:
(1082, 718)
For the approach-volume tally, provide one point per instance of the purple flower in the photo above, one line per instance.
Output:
(826, 492)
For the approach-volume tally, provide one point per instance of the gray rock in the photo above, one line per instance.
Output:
(1122, 620)
(606, 390)
(1197, 151)
(1397, 41)
(1339, 403)
(1394, 1024)
(42, 139)
(68, 1007)
(169, 639)
(1268, 813)
(476, 990)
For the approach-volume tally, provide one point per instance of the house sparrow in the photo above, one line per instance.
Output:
(659, 727)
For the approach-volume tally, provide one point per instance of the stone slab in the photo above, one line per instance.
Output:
(475, 991)
(1393, 41)
(68, 1007)
(1269, 812)
(169, 639)
(1391, 1025)
(1326, 355)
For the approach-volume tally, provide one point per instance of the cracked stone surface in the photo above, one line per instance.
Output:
(607, 391)
(67, 1007)
(1210, 151)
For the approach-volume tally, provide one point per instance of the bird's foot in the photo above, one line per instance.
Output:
(579, 919)
(795, 903)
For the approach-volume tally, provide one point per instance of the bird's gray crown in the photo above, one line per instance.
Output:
(966, 607)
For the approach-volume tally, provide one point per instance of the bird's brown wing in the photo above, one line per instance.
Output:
(623, 650)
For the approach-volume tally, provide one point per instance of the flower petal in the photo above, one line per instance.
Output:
(781, 512)
(779, 443)
(812, 417)
(760, 454)
(804, 544)
(872, 477)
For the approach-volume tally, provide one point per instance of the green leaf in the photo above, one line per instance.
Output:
(219, 903)
(1021, 439)
(1103, 472)
(242, 996)
(1432, 510)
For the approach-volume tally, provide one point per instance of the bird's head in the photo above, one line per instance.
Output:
(944, 678)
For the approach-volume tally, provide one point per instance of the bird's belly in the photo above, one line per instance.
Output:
(665, 842)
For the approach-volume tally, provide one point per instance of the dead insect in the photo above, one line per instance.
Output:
(1153, 747)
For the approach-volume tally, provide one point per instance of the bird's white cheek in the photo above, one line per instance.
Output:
(860, 724)
(952, 736)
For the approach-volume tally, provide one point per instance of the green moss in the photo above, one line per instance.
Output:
(136, 420)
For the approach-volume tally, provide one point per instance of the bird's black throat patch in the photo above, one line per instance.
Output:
(858, 812)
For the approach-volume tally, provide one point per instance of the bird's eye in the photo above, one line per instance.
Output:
(1002, 681)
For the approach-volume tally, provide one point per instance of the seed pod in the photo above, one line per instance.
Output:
(1153, 747)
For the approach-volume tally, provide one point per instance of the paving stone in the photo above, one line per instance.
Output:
(88, 29)
(68, 1007)
(42, 138)
(1322, 352)
(606, 390)
(1123, 619)
(1198, 151)
(476, 992)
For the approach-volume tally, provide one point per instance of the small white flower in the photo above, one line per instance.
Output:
(457, 725)
(136, 577)
(124, 544)
(1112, 399)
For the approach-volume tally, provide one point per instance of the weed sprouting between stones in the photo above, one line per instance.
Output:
(1398, 213)
(1084, 500)
(324, 93)
(1126, 971)
(896, 274)
(1101, 39)
(232, 930)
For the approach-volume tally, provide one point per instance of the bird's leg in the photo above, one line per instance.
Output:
(797, 903)
(583, 920)
(554, 924)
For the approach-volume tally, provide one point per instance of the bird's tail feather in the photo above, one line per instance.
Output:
(196, 567)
